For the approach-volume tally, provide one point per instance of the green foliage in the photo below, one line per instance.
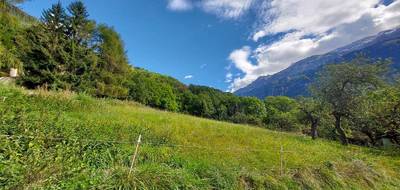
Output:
(253, 109)
(10, 31)
(8, 60)
(282, 113)
(148, 89)
(79, 26)
(8, 7)
(166, 93)
(113, 69)
(67, 51)
(45, 62)
(212, 103)
(54, 21)
(379, 115)
(341, 87)
(59, 140)
(312, 111)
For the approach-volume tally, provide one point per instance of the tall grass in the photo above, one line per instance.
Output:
(64, 140)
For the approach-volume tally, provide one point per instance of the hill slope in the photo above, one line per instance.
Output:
(15, 11)
(294, 80)
(67, 141)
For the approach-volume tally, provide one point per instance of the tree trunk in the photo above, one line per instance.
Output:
(369, 134)
(339, 129)
(314, 125)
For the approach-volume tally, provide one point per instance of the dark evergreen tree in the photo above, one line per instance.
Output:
(79, 26)
(55, 20)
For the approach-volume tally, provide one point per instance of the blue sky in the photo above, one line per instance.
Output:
(227, 44)
(174, 43)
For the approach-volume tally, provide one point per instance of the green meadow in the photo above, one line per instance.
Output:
(62, 140)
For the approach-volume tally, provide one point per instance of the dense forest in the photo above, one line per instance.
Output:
(65, 50)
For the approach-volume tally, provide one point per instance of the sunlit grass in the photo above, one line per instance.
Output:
(177, 151)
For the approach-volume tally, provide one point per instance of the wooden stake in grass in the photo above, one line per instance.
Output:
(281, 160)
(139, 140)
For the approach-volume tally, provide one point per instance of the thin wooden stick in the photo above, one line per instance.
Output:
(135, 154)
(281, 159)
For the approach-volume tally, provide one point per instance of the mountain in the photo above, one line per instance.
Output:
(294, 80)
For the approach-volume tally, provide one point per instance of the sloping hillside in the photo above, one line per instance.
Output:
(294, 80)
(67, 141)
(15, 11)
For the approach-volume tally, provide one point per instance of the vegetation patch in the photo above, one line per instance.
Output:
(67, 140)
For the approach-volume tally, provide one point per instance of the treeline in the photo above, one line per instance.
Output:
(167, 93)
(66, 50)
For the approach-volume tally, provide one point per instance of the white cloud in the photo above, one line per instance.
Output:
(240, 58)
(311, 27)
(229, 9)
(188, 76)
(317, 16)
(226, 8)
(179, 5)
(228, 77)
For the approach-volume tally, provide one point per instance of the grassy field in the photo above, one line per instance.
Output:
(67, 141)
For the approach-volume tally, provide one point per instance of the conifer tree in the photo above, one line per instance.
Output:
(79, 25)
(55, 19)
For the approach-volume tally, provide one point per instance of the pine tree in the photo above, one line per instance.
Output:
(55, 19)
(79, 26)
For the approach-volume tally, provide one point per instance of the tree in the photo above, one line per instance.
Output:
(254, 110)
(52, 58)
(113, 69)
(311, 112)
(55, 20)
(46, 58)
(82, 59)
(80, 27)
(44, 61)
(150, 89)
(341, 85)
(190, 103)
(281, 112)
(381, 118)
